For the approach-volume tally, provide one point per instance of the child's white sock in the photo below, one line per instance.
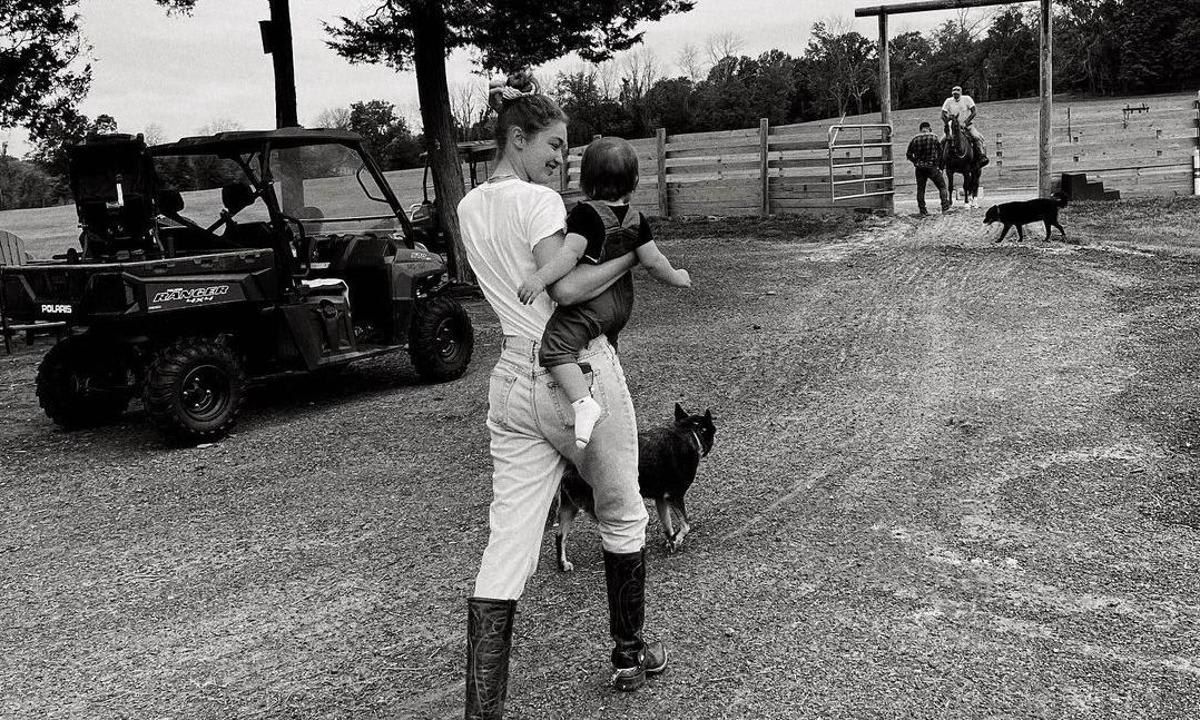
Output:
(587, 412)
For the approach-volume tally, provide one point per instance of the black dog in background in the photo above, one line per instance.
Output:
(667, 461)
(1024, 213)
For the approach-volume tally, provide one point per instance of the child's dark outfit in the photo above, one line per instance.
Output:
(611, 231)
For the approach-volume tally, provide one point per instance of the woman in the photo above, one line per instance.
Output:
(511, 226)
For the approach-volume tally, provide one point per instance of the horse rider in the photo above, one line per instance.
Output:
(958, 105)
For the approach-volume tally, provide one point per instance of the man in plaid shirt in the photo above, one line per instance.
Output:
(925, 153)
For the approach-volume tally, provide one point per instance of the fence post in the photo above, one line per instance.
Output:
(1196, 150)
(763, 134)
(664, 201)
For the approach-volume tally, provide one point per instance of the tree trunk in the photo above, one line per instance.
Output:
(429, 61)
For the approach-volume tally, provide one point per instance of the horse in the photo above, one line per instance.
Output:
(961, 158)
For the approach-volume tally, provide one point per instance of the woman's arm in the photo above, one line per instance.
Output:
(584, 282)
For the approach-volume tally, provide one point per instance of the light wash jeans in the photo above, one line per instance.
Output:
(532, 439)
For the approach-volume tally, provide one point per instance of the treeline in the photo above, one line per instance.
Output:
(1101, 47)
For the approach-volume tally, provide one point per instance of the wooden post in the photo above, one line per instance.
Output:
(1045, 142)
(763, 161)
(664, 201)
(885, 72)
(280, 48)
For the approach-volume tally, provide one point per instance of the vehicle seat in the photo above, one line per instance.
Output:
(236, 197)
(335, 287)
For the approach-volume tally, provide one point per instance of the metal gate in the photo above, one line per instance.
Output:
(849, 178)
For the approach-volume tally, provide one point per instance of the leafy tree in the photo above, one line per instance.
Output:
(639, 71)
(805, 99)
(723, 100)
(669, 103)
(910, 53)
(39, 48)
(1009, 56)
(420, 33)
(1087, 51)
(1154, 37)
(26, 184)
(337, 118)
(772, 86)
(590, 110)
(385, 135)
(844, 64)
(954, 61)
(52, 132)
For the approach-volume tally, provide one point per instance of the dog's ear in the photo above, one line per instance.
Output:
(708, 415)
(680, 414)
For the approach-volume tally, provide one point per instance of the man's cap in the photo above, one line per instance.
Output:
(956, 87)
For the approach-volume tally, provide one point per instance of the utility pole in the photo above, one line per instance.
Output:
(277, 42)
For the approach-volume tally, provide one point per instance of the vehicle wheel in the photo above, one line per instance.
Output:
(441, 339)
(194, 389)
(83, 382)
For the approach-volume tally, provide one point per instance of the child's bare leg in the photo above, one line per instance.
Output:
(587, 411)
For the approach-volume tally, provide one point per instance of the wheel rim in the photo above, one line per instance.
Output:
(205, 392)
(446, 339)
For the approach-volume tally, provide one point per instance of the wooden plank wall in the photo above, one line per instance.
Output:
(721, 173)
(1147, 153)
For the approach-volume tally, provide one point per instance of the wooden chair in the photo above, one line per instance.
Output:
(12, 253)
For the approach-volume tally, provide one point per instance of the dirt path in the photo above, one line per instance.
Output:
(951, 479)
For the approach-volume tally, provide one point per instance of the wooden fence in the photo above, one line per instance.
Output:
(1146, 152)
(756, 171)
(785, 169)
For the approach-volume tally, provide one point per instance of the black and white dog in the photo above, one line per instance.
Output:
(667, 461)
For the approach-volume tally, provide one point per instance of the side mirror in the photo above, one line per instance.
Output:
(358, 175)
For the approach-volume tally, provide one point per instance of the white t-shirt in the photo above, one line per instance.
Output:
(961, 107)
(501, 223)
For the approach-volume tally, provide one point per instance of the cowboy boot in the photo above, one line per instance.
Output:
(489, 639)
(632, 658)
(981, 150)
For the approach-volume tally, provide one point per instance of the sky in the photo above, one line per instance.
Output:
(179, 74)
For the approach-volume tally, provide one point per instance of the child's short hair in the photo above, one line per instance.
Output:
(925, 125)
(609, 170)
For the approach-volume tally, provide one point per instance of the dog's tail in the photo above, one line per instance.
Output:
(1060, 198)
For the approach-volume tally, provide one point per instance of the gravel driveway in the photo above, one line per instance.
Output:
(951, 479)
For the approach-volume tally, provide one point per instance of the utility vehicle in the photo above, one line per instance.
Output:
(212, 261)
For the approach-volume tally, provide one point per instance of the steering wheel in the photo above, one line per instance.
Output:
(225, 219)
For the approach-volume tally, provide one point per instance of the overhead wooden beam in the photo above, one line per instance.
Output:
(925, 6)
(1046, 63)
